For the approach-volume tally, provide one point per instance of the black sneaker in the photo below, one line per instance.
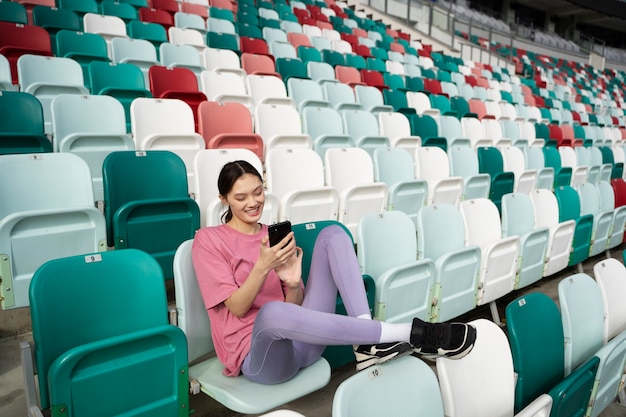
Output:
(368, 355)
(450, 340)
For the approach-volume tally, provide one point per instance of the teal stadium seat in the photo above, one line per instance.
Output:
(22, 130)
(146, 205)
(306, 235)
(570, 209)
(537, 344)
(122, 356)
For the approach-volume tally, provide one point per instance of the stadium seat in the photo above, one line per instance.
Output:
(296, 177)
(17, 39)
(53, 19)
(432, 165)
(55, 219)
(107, 352)
(590, 203)
(139, 52)
(47, 77)
(390, 388)
(499, 255)
(6, 79)
(362, 127)
(125, 82)
(22, 130)
(228, 125)
(325, 127)
(539, 360)
(237, 394)
(351, 172)
(441, 237)
(464, 164)
(397, 128)
(176, 83)
(107, 26)
(146, 204)
(582, 312)
(518, 219)
(90, 126)
(166, 124)
(386, 251)
(82, 47)
(490, 162)
(471, 389)
(570, 209)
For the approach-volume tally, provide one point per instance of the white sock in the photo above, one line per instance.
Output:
(395, 332)
(364, 316)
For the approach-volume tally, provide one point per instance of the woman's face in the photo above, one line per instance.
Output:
(246, 199)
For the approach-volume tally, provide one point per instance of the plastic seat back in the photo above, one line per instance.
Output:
(280, 126)
(432, 164)
(125, 82)
(394, 167)
(146, 204)
(538, 357)
(441, 237)
(46, 77)
(518, 219)
(17, 39)
(82, 47)
(166, 124)
(570, 209)
(22, 130)
(386, 251)
(499, 255)
(325, 126)
(602, 219)
(90, 126)
(56, 218)
(351, 172)
(140, 52)
(238, 394)
(464, 164)
(306, 235)
(470, 389)
(390, 389)
(611, 277)
(296, 177)
(107, 351)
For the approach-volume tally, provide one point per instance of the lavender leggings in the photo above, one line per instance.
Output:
(287, 337)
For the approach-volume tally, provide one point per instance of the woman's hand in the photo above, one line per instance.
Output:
(275, 256)
(291, 271)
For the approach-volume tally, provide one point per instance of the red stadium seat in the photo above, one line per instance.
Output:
(17, 39)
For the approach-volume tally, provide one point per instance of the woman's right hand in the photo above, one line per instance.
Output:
(277, 255)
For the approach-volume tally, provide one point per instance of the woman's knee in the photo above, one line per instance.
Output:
(334, 231)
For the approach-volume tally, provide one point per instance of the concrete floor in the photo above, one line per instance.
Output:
(317, 404)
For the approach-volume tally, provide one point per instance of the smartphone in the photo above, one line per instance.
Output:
(278, 231)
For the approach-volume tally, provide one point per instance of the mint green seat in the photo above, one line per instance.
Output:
(590, 203)
(236, 393)
(464, 164)
(441, 238)
(360, 125)
(46, 77)
(582, 311)
(100, 355)
(570, 209)
(386, 249)
(403, 387)
(306, 235)
(22, 128)
(90, 126)
(146, 204)
(325, 127)
(48, 212)
(537, 344)
(125, 82)
(394, 167)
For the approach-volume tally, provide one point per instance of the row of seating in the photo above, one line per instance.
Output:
(568, 363)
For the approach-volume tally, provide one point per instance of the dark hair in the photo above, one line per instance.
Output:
(230, 173)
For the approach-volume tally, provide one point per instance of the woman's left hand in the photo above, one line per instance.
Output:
(290, 272)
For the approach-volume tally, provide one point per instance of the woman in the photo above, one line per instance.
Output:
(265, 324)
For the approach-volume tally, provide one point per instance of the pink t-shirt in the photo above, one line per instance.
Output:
(223, 258)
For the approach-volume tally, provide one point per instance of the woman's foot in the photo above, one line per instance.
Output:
(450, 340)
(368, 355)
